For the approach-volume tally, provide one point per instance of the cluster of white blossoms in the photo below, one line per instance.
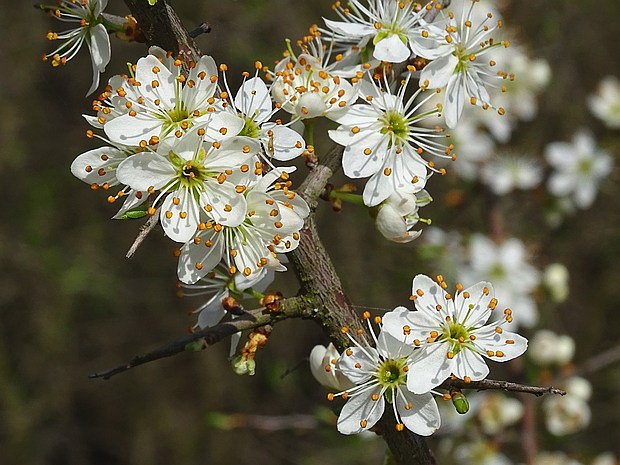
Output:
(448, 335)
(180, 148)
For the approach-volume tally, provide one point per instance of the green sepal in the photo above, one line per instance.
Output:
(135, 213)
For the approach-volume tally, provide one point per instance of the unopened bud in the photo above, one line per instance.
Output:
(243, 366)
(459, 401)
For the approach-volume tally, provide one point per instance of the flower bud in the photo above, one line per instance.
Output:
(555, 279)
(243, 366)
(460, 402)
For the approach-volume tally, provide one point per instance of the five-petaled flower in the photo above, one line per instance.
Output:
(451, 333)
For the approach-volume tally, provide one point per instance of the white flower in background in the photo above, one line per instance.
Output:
(88, 15)
(384, 140)
(307, 87)
(380, 375)
(253, 103)
(496, 412)
(514, 279)
(578, 168)
(160, 102)
(462, 64)
(606, 458)
(570, 413)
(605, 104)
(323, 367)
(398, 214)
(193, 180)
(508, 172)
(452, 333)
(386, 30)
(271, 225)
(480, 453)
(554, 458)
(549, 348)
(556, 280)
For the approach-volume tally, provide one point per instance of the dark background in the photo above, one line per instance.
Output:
(70, 304)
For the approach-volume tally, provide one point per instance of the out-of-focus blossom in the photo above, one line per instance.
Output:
(548, 348)
(480, 453)
(605, 104)
(570, 413)
(579, 167)
(554, 458)
(506, 266)
(496, 411)
(507, 173)
(556, 280)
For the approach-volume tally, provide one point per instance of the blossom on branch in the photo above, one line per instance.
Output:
(88, 15)
(380, 376)
(452, 333)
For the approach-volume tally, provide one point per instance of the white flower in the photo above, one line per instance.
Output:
(473, 146)
(506, 266)
(496, 411)
(253, 103)
(399, 214)
(605, 104)
(548, 348)
(193, 180)
(452, 333)
(556, 280)
(507, 173)
(306, 87)
(480, 453)
(462, 64)
(389, 29)
(323, 367)
(570, 413)
(554, 458)
(88, 15)
(271, 225)
(384, 140)
(380, 375)
(578, 168)
(160, 102)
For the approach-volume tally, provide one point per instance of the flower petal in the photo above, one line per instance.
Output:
(418, 412)
(360, 408)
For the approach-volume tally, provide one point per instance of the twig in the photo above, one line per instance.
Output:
(202, 28)
(295, 307)
(491, 384)
(599, 361)
(144, 231)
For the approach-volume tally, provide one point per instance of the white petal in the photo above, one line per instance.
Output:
(392, 50)
(176, 227)
(99, 45)
(130, 130)
(212, 312)
(431, 368)
(422, 416)
(365, 358)
(165, 91)
(287, 144)
(350, 29)
(88, 165)
(455, 100)
(438, 72)
(479, 300)
(205, 257)
(470, 363)
(253, 99)
(358, 408)
(144, 171)
(227, 206)
(355, 162)
(488, 339)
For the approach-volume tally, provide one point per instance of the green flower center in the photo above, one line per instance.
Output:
(457, 334)
(464, 61)
(190, 173)
(250, 128)
(392, 373)
(585, 166)
(396, 124)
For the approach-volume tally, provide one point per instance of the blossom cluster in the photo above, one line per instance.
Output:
(181, 149)
(448, 335)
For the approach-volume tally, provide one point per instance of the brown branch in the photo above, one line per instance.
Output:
(295, 307)
(598, 362)
(162, 27)
(491, 384)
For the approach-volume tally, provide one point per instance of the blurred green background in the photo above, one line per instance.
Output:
(71, 304)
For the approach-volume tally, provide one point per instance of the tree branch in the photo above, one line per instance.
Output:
(296, 307)
(491, 384)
